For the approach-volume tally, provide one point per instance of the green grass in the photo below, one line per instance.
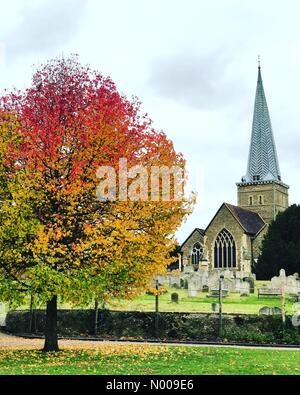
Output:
(233, 303)
(140, 359)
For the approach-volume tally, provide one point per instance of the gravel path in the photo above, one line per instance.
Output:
(10, 342)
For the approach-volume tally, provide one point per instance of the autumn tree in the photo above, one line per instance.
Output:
(57, 238)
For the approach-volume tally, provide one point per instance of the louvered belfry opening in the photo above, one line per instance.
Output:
(225, 251)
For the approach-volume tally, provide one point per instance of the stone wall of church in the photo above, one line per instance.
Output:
(225, 219)
(258, 242)
(186, 249)
(265, 199)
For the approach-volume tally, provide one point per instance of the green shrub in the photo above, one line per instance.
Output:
(173, 326)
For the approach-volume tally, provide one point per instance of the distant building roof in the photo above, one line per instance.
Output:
(250, 221)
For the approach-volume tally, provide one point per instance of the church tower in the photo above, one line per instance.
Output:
(262, 189)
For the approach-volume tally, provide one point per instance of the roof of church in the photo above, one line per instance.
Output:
(263, 161)
(201, 231)
(250, 221)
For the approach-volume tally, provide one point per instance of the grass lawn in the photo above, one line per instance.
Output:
(233, 303)
(146, 359)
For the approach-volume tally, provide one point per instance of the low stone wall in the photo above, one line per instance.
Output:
(173, 326)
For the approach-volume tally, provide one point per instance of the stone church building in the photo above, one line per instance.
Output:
(232, 240)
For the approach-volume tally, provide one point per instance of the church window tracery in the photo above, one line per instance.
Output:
(225, 251)
(197, 253)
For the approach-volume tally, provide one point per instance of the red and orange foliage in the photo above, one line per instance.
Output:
(68, 123)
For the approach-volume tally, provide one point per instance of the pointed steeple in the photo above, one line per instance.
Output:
(263, 161)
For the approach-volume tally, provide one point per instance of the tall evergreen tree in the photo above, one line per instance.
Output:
(281, 246)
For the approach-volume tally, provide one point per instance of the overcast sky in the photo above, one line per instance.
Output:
(193, 64)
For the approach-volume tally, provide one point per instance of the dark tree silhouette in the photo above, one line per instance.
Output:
(281, 246)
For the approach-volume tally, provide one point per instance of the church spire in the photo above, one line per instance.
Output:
(262, 162)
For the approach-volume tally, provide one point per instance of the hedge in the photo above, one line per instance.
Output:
(172, 326)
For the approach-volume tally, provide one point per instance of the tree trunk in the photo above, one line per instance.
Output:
(96, 310)
(51, 340)
(31, 315)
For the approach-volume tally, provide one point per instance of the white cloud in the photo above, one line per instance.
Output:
(191, 62)
(43, 26)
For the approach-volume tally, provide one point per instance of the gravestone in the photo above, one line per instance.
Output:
(251, 283)
(162, 280)
(289, 285)
(282, 273)
(174, 282)
(183, 283)
(194, 282)
(213, 280)
(192, 293)
(277, 311)
(188, 269)
(229, 284)
(205, 288)
(174, 297)
(245, 288)
(266, 311)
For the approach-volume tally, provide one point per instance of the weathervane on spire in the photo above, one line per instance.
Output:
(259, 61)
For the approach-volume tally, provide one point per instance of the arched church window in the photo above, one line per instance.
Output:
(250, 200)
(225, 251)
(197, 253)
(260, 199)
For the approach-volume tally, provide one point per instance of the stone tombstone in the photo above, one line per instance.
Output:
(194, 282)
(282, 273)
(188, 269)
(205, 288)
(245, 288)
(277, 311)
(251, 283)
(163, 280)
(203, 274)
(227, 274)
(290, 285)
(213, 280)
(194, 285)
(174, 297)
(228, 284)
(174, 282)
(192, 293)
(183, 283)
(266, 311)
(277, 282)
(214, 307)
